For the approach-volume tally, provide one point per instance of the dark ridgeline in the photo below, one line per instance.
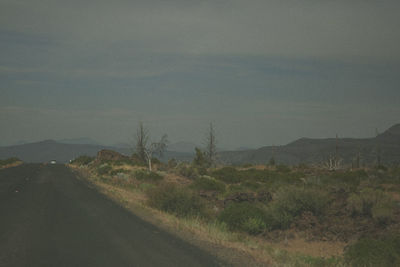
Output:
(384, 147)
(350, 151)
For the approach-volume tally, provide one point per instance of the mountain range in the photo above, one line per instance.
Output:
(385, 146)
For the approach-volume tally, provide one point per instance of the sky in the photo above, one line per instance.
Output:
(263, 72)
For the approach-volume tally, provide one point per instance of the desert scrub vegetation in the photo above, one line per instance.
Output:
(244, 217)
(82, 160)
(270, 203)
(104, 168)
(373, 203)
(176, 200)
(384, 251)
(190, 171)
(292, 202)
(147, 176)
(9, 161)
(208, 184)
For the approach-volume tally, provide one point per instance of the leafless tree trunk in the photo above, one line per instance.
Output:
(146, 149)
(142, 139)
(156, 148)
(211, 146)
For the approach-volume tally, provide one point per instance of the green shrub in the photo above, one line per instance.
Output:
(176, 200)
(148, 176)
(277, 218)
(82, 160)
(383, 212)
(208, 184)
(228, 175)
(243, 216)
(247, 165)
(200, 160)
(282, 168)
(254, 226)
(144, 187)
(345, 180)
(291, 202)
(104, 169)
(4, 162)
(372, 203)
(172, 163)
(296, 200)
(116, 171)
(120, 162)
(374, 252)
(188, 171)
(254, 186)
(137, 161)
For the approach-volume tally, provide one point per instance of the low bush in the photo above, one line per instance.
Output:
(208, 184)
(4, 162)
(82, 160)
(116, 171)
(254, 226)
(127, 161)
(104, 169)
(277, 218)
(188, 171)
(383, 212)
(243, 216)
(291, 202)
(172, 163)
(372, 203)
(254, 186)
(374, 252)
(282, 168)
(176, 200)
(144, 187)
(137, 161)
(296, 200)
(148, 176)
(228, 175)
(347, 181)
(247, 165)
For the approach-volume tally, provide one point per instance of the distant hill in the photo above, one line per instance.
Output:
(78, 141)
(185, 147)
(47, 150)
(307, 150)
(304, 150)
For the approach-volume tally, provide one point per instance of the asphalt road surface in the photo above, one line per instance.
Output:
(49, 218)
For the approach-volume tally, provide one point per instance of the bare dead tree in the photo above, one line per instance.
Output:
(211, 146)
(146, 149)
(142, 139)
(155, 148)
(333, 162)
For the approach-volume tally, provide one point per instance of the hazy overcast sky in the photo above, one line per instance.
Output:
(264, 72)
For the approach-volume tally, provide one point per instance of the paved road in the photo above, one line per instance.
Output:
(49, 218)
